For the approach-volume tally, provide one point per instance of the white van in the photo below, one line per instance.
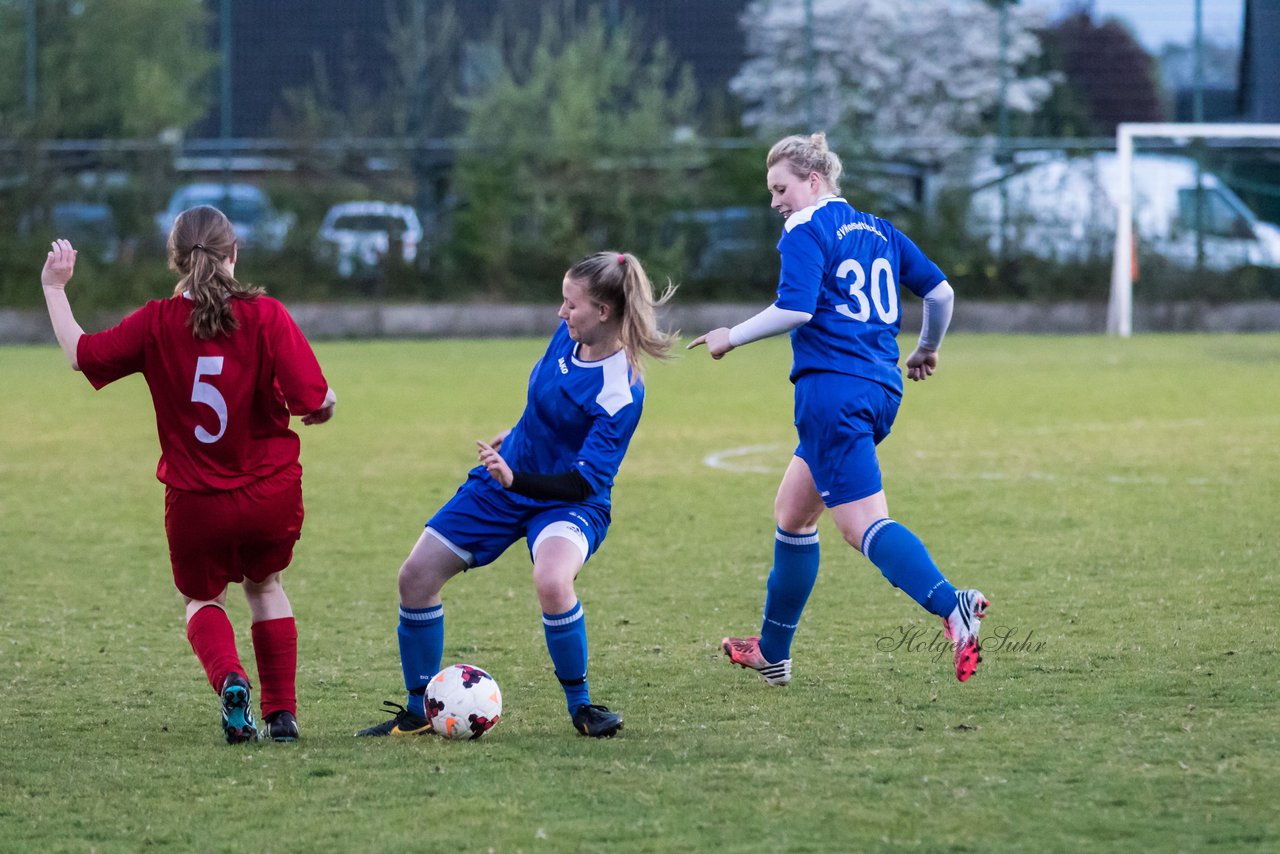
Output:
(1064, 209)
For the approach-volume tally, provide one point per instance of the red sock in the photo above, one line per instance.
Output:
(275, 646)
(214, 642)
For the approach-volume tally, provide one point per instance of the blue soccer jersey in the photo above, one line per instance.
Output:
(578, 415)
(844, 267)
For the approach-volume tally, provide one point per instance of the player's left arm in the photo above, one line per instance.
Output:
(924, 278)
(325, 412)
(59, 266)
(306, 391)
(938, 305)
(606, 444)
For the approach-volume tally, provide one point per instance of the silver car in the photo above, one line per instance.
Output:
(356, 237)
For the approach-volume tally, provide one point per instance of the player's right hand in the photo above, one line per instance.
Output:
(496, 441)
(59, 265)
(325, 412)
(717, 341)
(495, 464)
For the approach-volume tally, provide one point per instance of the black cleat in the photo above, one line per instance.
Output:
(596, 721)
(404, 722)
(281, 726)
(237, 710)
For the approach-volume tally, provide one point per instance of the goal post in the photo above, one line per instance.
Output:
(1120, 306)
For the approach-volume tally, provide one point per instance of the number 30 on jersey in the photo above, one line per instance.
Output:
(884, 291)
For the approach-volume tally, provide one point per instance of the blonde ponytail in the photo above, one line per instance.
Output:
(618, 280)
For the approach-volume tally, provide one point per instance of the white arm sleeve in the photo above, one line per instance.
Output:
(938, 304)
(772, 321)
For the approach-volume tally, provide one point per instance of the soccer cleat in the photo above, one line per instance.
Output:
(237, 710)
(962, 630)
(596, 721)
(403, 722)
(745, 652)
(281, 726)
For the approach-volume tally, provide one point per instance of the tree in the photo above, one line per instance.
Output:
(413, 95)
(1062, 113)
(107, 68)
(425, 58)
(570, 150)
(885, 74)
(1115, 78)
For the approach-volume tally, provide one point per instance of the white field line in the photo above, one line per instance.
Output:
(730, 459)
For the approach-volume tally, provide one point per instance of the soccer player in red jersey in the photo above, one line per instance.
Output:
(226, 366)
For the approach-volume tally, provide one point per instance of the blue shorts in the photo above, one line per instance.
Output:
(481, 521)
(841, 419)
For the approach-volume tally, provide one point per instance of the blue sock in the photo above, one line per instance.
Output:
(795, 569)
(421, 634)
(904, 560)
(567, 642)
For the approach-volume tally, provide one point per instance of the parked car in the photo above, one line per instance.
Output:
(90, 226)
(357, 237)
(1064, 210)
(256, 222)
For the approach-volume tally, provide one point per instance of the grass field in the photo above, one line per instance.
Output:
(1115, 500)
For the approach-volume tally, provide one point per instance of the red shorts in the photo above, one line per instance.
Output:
(221, 538)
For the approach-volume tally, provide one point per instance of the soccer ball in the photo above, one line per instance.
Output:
(463, 702)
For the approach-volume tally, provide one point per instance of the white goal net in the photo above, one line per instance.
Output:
(1186, 200)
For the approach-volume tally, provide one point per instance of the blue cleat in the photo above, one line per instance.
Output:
(237, 710)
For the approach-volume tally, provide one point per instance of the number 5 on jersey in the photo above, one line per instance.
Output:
(884, 291)
(203, 392)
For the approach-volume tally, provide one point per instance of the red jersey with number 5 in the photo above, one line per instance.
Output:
(222, 404)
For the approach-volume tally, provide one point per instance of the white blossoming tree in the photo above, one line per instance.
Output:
(887, 74)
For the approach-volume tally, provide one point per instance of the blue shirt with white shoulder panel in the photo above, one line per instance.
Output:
(578, 415)
(844, 267)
